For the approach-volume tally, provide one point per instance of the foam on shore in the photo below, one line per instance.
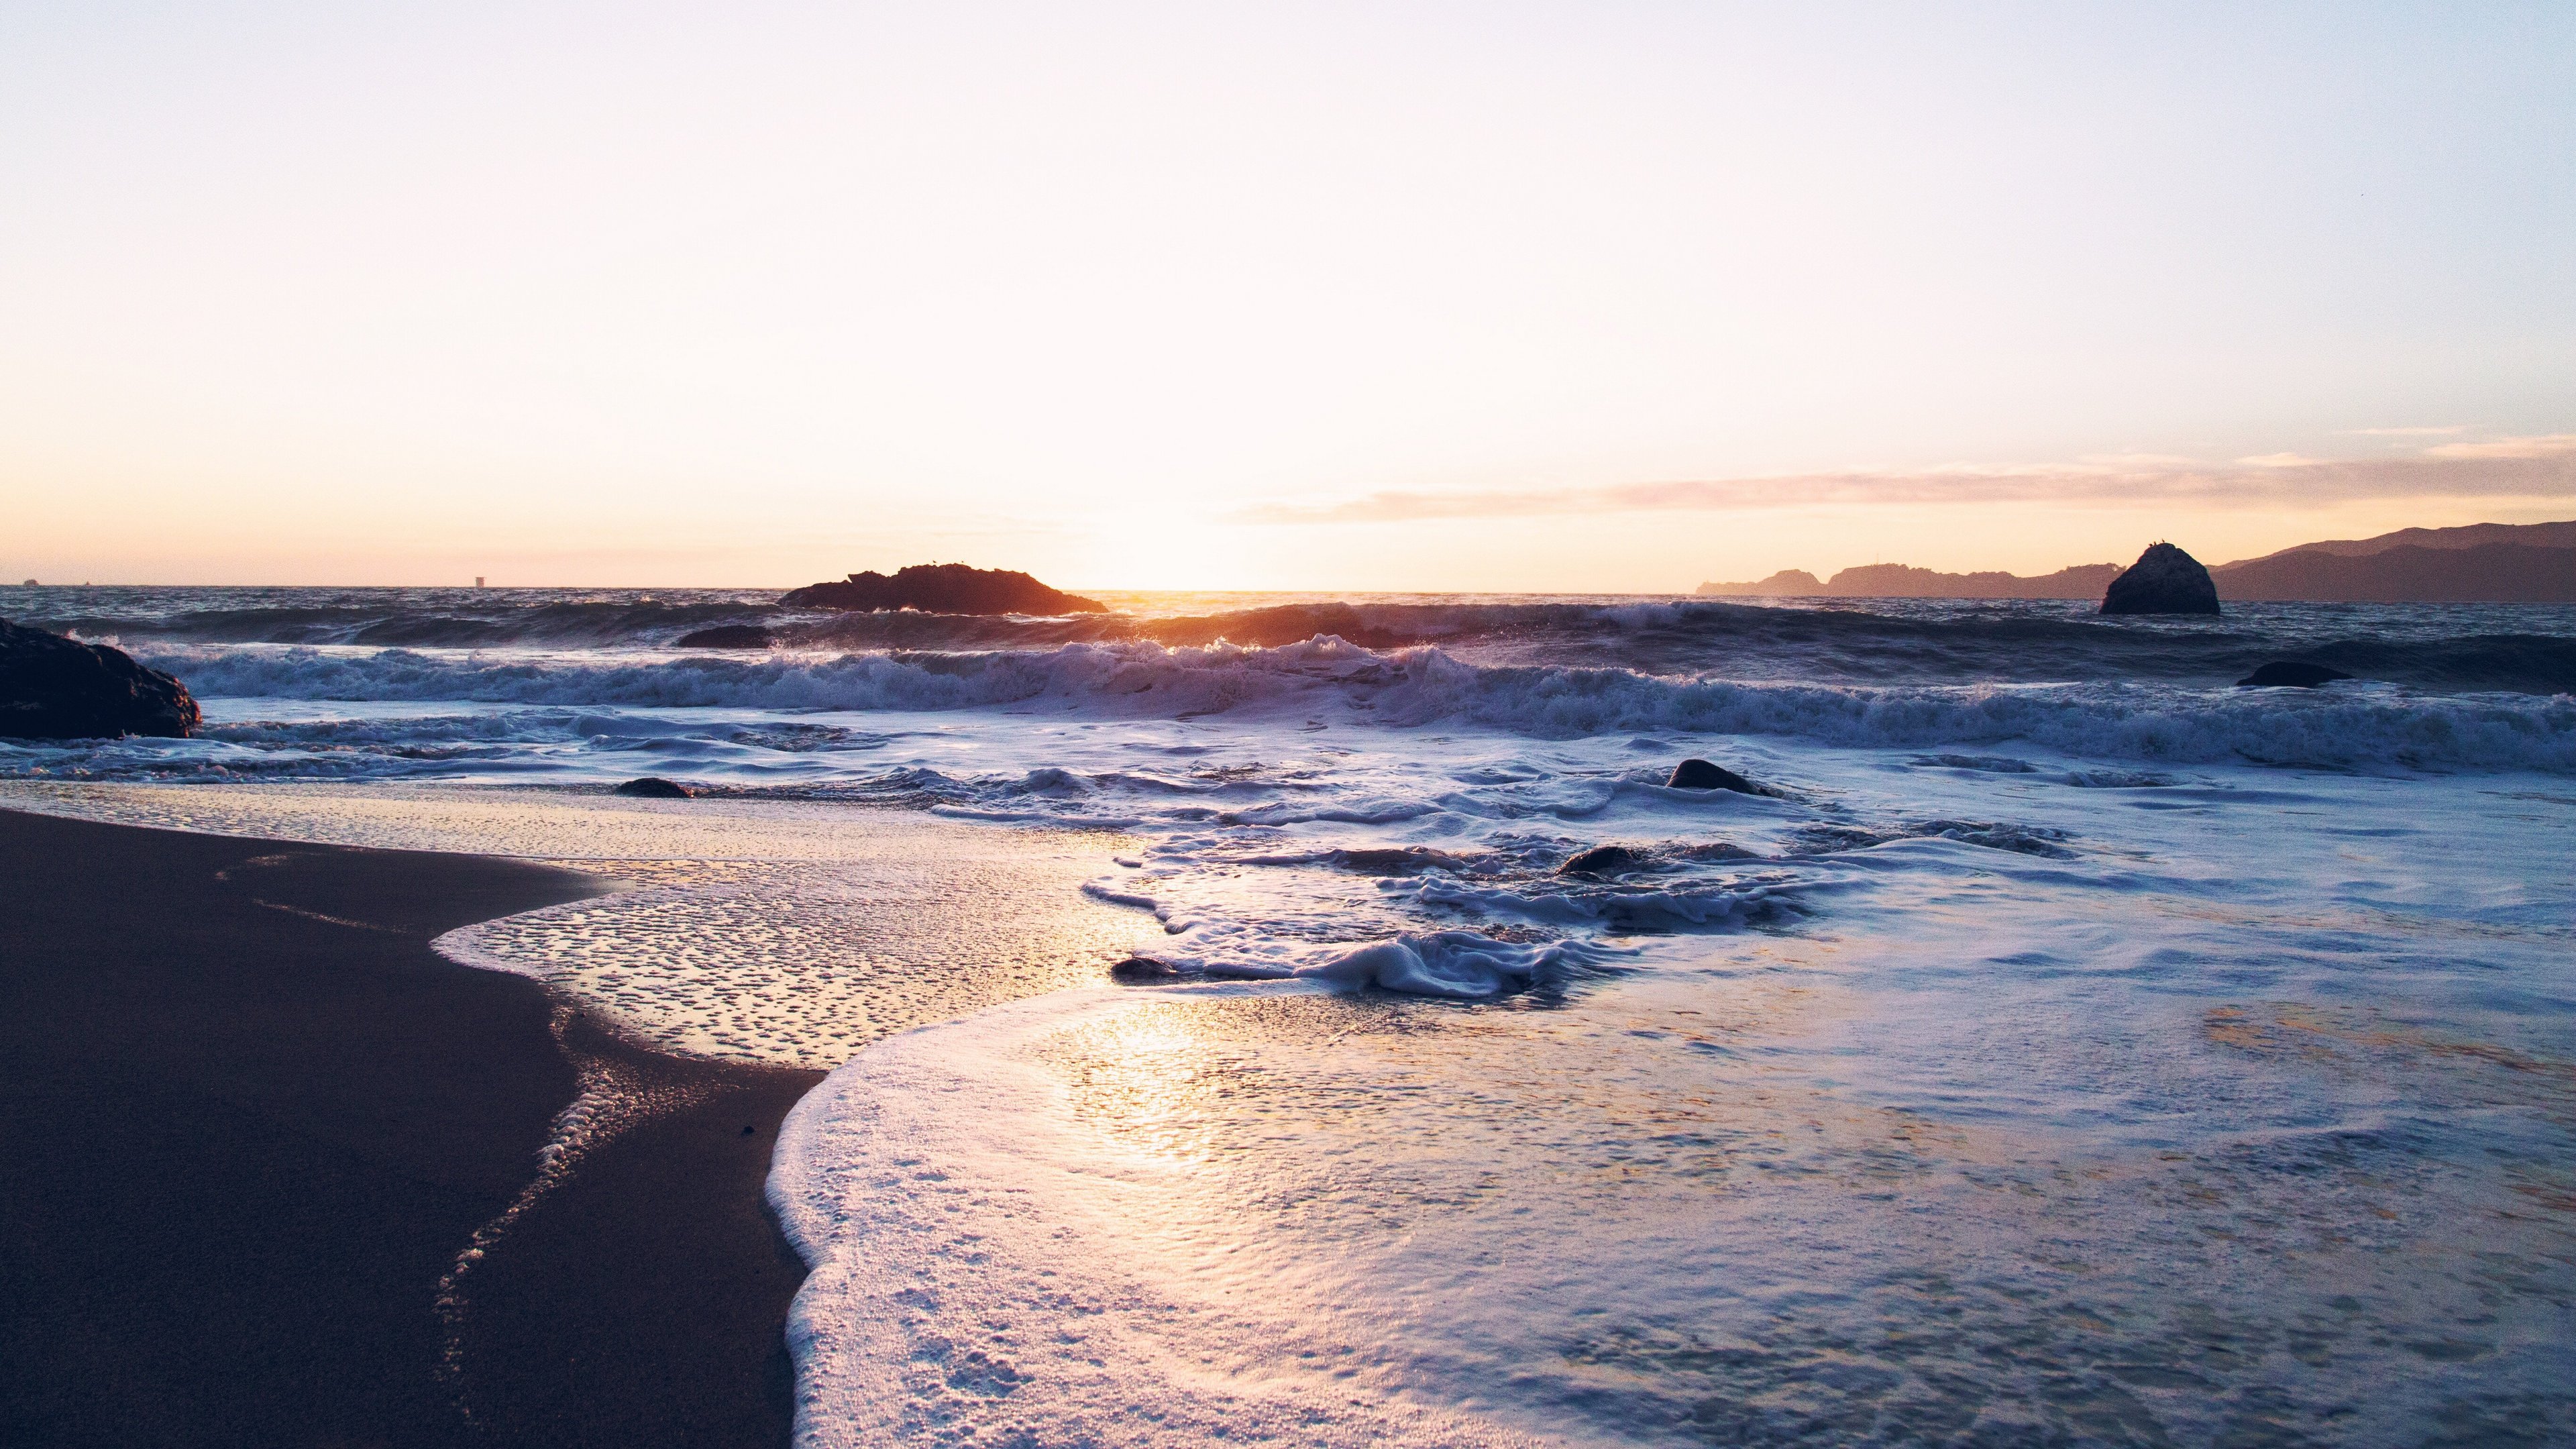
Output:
(1164, 1218)
(982, 1274)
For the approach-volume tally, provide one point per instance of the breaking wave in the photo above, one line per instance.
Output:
(1334, 680)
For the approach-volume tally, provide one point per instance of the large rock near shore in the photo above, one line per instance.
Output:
(2164, 580)
(53, 688)
(944, 589)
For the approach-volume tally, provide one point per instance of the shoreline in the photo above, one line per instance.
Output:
(254, 1119)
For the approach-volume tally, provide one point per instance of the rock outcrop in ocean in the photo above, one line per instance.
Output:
(2164, 580)
(1696, 774)
(943, 589)
(53, 688)
(2290, 674)
(1602, 860)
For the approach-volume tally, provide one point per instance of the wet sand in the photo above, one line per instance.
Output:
(248, 1120)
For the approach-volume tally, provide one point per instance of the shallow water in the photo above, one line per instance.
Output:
(2040, 1060)
(2245, 1120)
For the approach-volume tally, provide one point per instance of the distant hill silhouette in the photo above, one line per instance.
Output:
(1900, 581)
(2473, 535)
(2486, 573)
(2502, 563)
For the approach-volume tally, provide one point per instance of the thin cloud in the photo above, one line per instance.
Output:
(2539, 466)
(2452, 431)
(2545, 445)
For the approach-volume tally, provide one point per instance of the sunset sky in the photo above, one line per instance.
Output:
(1494, 296)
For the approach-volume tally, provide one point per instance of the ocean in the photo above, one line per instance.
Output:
(2064, 1046)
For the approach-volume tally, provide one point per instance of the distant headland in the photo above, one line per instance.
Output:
(2499, 563)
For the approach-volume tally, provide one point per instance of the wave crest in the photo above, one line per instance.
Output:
(1330, 679)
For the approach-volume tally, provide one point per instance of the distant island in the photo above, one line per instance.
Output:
(1902, 581)
(2531, 563)
(942, 589)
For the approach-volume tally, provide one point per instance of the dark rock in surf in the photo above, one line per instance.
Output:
(2164, 580)
(727, 636)
(1142, 968)
(1602, 860)
(654, 787)
(53, 688)
(2290, 674)
(1400, 860)
(943, 589)
(1702, 775)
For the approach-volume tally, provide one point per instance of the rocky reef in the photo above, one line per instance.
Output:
(943, 589)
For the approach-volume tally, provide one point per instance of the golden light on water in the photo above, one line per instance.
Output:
(1150, 1077)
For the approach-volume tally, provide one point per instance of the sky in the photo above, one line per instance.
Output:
(1503, 296)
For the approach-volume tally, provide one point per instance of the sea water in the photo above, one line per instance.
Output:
(2063, 1047)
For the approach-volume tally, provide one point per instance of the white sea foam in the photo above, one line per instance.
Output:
(986, 1276)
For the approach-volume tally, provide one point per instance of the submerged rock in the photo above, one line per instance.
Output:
(1142, 968)
(53, 688)
(2164, 580)
(654, 787)
(1702, 775)
(2290, 674)
(727, 636)
(1602, 860)
(943, 589)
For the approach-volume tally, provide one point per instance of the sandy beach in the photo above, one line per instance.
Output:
(256, 1118)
